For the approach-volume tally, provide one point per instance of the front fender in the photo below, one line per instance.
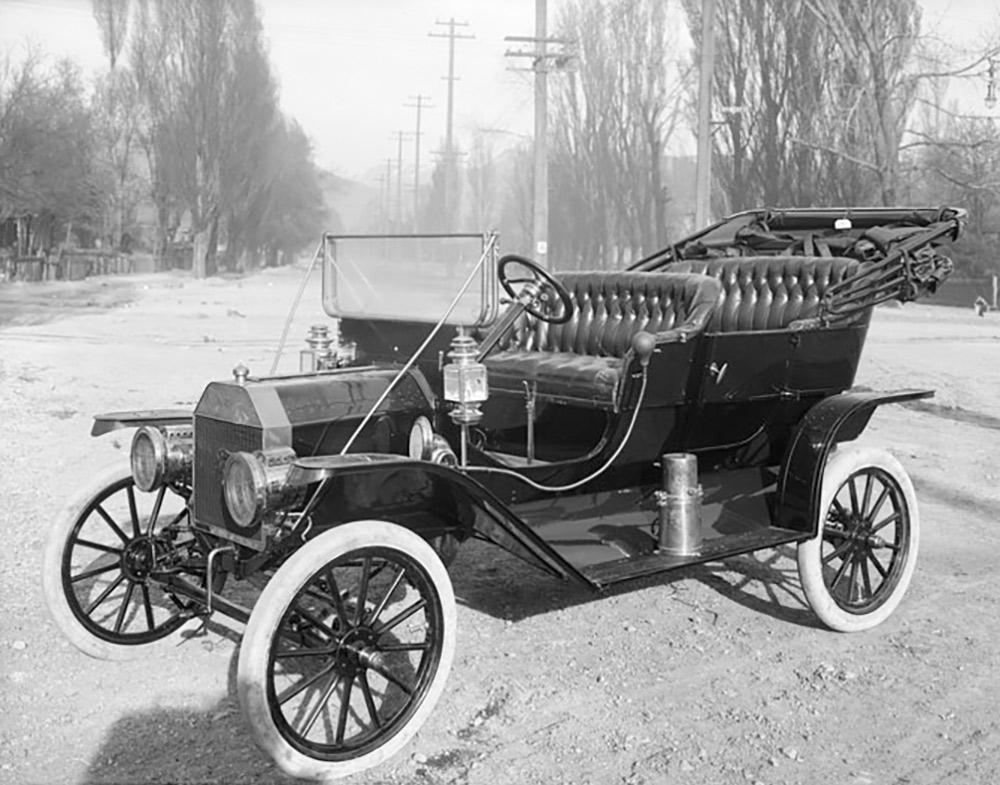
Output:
(839, 418)
(396, 488)
(112, 421)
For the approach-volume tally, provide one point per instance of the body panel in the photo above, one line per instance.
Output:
(836, 419)
(113, 421)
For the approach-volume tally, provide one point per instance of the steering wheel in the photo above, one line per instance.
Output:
(540, 305)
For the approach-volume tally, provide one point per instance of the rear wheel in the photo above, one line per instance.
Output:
(856, 569)
(347, 650)
(101, 561)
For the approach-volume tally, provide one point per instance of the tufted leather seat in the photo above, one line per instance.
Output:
(582, 360)
(768, 292)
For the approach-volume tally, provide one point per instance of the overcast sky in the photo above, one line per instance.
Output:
(347, 67)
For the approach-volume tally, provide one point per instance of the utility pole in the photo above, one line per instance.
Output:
(449, 149)
(703, 170)
(378, 219)
(544, 61)
(388, 193)
(541, 221)
(399, 136)
(419, 105)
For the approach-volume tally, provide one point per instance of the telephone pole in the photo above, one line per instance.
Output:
(544, 60)
(703, 169)
(449, 149)
(541, 219)
(388, 192)
(419, 106)
(399, 136)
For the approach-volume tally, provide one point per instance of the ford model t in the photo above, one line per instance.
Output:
(601, 426)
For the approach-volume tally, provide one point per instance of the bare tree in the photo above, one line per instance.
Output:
(439, 211)
(614, 115)
(481, 174)
(116, 110)
(47, 149)
(816, 99)
(186, 54)
(286, 210)
(189, 85)
(773, 65)
(517, 193)
(112, 19)
(877, 86)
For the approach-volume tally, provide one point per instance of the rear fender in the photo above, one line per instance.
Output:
(113, 421)
(840, 418)
(426, 497)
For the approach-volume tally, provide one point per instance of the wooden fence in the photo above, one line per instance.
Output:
(69, 265)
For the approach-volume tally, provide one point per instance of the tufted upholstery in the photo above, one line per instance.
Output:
(768, 292)
(582, 360)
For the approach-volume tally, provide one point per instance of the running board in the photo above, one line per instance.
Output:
(714, 549)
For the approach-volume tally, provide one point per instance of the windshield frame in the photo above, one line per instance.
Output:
(483, 286)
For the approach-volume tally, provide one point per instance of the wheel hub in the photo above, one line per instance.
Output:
(140, 557)
(859, 533)
(357, 651)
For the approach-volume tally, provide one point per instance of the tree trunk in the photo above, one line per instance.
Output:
(200, 249)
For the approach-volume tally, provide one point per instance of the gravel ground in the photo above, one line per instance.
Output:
(716, 674)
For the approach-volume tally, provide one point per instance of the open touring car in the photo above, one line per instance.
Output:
(601, 426)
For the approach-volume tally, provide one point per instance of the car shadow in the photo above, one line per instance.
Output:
(764, 581)
(208, 745)
(490, 580)
(193, 746)
(213, 745)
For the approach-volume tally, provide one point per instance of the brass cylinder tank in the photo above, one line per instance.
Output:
(680, 506)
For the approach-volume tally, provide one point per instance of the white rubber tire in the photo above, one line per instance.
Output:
(291, 577)
(52, 564)
(843, 463)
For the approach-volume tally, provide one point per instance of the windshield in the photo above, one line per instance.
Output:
(408, 277)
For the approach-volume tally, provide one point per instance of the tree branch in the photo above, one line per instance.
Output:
(930, 141)
(838, 153)
(988, 187)
(962, 71)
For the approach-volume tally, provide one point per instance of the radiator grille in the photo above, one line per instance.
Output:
(214, 440)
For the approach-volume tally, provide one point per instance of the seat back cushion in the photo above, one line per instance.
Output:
(610, 308)
(768, 292)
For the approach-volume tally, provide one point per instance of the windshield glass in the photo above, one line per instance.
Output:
(407, 278)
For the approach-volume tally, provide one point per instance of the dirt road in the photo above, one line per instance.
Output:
(718, 674)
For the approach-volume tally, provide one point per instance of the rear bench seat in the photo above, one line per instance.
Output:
(769, 292)
(582, 360)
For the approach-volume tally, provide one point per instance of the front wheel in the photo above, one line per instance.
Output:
(856, 569)
(102, 562)
(347, 650)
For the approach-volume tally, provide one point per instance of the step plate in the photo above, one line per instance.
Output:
(714, 549)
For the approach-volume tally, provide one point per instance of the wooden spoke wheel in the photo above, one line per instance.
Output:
(856, 569)
(347, 650)
(102, 560)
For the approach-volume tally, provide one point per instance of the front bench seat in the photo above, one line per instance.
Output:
(582, 360)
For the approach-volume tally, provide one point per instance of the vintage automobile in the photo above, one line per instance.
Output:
(601, 426)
